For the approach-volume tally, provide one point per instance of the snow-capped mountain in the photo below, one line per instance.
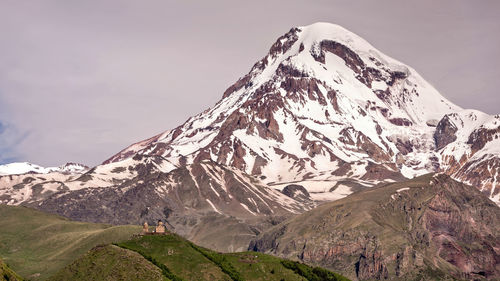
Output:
(24, 182)
(324, 106)
(19, 168)
(323, 109)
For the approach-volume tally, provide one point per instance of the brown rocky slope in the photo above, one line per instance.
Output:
(428, 228)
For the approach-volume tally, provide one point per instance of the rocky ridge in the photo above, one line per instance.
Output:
(431, 227)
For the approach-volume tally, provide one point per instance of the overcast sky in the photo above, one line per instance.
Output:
(80, 80)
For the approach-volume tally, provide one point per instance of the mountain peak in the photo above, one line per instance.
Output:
(320, 31)
(323, 104)
(312, 35)
(331, 54)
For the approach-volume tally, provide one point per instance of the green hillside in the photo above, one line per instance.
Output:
(36, 245)
(6, 274)
(40, 246)
(110, 263)
(179, 259)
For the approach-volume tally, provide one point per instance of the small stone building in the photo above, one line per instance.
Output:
(160, 228)
(145, 228)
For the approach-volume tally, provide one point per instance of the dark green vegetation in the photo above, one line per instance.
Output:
(312, 274)
(179, 259)
(36, 244)
(428, 228)
(6, 274)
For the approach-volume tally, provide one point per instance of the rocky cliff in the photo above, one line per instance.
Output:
(431, 227)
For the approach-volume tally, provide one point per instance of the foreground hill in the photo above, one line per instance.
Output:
(40, 246)
(428, 228)
(110, 263)
(170, 257)
(37, 244)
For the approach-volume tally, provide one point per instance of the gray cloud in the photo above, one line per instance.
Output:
(87, 78)
(10, 139)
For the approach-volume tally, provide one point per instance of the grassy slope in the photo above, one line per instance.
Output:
(179, 259)
(6, 274)
(110, 263)
(36, 244)
(190, 262)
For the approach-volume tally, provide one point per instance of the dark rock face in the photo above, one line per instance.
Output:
(299, 193)
(445, 132)
(365, 74)
(281, 46)
(429, 228)
(481, 173)
(401, 122)
(380, 172)
(351, 58)
(296, 191)
(371, 267)
(404, 146)
(364, 144)
(284, 43)
(238, 85)
(480, 137)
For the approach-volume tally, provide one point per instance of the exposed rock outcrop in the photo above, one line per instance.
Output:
(296, 192)
(432, 227)
(445, 133)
